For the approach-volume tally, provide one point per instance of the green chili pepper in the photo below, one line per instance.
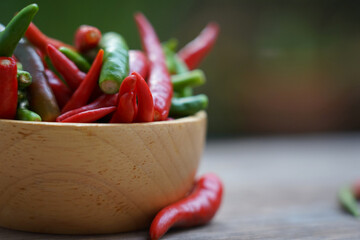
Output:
(348, 201)
(76, 58)
(24, 79)
(189, 79)
(115, 64)
(180, 66)
(186, 92)
(16, 29)
(22, 111)
(176, 66)
(27, 115)
(181, 107)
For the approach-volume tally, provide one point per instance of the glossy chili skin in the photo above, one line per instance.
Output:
(198, 208)
(82, 94)
(104, 100)
(159, 78)
(61, 91)
(126, 107)
(145, 107)
(90, 116)
(76, 58)
(195, 51)
(70, 72)
(139, 63)
(16, 29)
(8, 88)
(42, 99)
(87, 37)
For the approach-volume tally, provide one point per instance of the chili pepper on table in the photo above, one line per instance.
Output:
(126, 107)
(24, 79)
(8, 88)
(138, 62)
(198, 208)
(82, 94)
(70, 72)
(181, 107)
(145, 107)
(195, 51)
(42, 99)
(87, 37)
(76, 58)
(61, 91)
(348, 201)
(16, 29)
(40, 40)
(90, 115)
(104, 100)
(159, 78)
(116, 62)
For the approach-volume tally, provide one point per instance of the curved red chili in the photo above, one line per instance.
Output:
(198, 208)
(8, 88)
(145, 105)
(83, 92)
(61, 91)
(90, 115)
(195, 51)
(126, 107)
(40, 40)
(70, 72)
(159, 80)
(104, 100)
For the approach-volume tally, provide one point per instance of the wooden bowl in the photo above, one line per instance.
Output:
(70, 178)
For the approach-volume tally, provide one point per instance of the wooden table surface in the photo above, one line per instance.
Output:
(276, 188)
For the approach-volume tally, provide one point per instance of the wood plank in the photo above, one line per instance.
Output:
(276, 188)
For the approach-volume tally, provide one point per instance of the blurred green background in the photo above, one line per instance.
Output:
(278, 66)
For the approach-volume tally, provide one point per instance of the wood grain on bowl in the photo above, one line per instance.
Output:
(94, 178)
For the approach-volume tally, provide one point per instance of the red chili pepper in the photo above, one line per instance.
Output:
(197, 49)
(61, 91)
(87, 37)
(159, 81)
(83, 92)
(139, 63)
(145, 111)
(104, 100)
(90, 115)
(126, 107)
(40, 40)
(196, 209)
(70, 72)
(42, 56)
(8, 88)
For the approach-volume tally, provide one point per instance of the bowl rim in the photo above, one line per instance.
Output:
(197, 116)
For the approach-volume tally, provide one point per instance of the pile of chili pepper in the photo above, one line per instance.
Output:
(98, 79)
